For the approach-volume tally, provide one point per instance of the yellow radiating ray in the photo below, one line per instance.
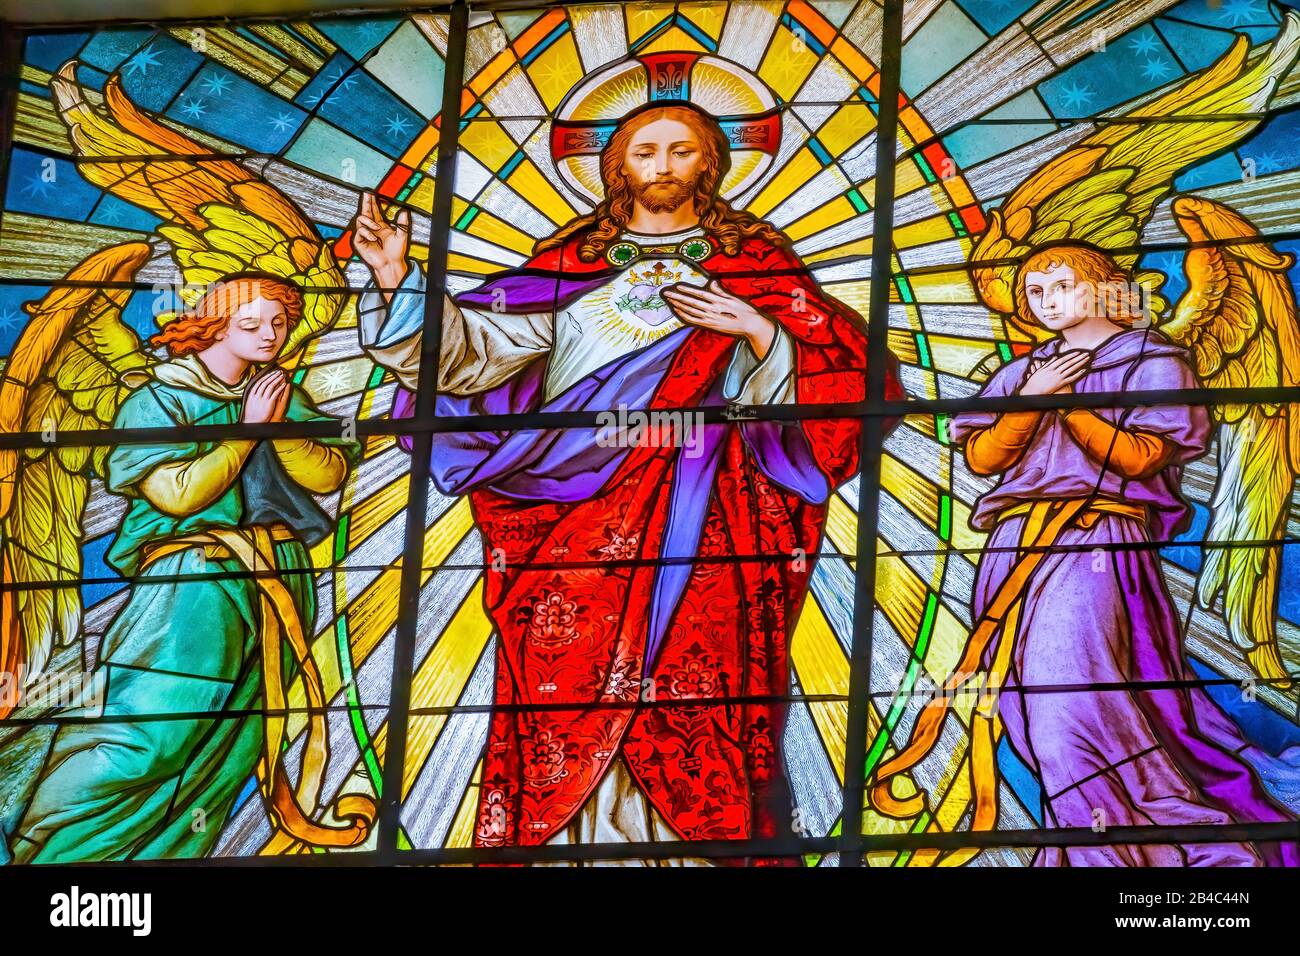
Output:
(325, 651)
(366, 517)
(822, 668)
(855, 248)
(335, 378)
(441, 678)
(375, 445)
(842, 527)
(787, 64)
(321, 554)
(903, 345)
(924, 231)
(641, 18)
(908, 179)
(856, 294)
(901, 595)
(672, 40)
(377, 510)
(948, 286)
(923, 424)
(708, 16)
(462, 264)
(914, 491)
(823, 217)
(491, 229)
(847, 126)
(555, 71)
(487, 142)
(421, 197)
(374, 612)
(802, 167)
(958, 355)
(461, 832)
(527, 180)
(964, 536)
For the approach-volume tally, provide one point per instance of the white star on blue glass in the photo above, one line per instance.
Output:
(397, 125)
(194, 108)
(1143, 43)
(282, 122)
(1156, 69)
(143, 59)
(1076, 96)
(1236, 12)
(9, 319)
(216, 84)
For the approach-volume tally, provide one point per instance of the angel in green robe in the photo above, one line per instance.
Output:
(222, 513)
(194, 674)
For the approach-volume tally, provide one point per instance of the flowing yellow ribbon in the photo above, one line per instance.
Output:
(1044, 523)
(254, 549)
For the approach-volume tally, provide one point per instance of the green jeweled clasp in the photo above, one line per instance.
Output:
(625, 252)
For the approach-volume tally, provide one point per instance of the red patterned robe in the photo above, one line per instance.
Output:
(573, 689)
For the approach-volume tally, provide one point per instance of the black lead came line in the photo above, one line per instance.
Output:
(873, 407)
(408, 605)
(872, 442)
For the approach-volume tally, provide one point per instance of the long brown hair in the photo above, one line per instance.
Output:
(1118, 296)
(729, 226)
(195, 330)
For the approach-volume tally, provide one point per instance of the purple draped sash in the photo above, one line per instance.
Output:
(573, 464)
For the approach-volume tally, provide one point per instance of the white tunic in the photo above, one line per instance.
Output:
(482, 349)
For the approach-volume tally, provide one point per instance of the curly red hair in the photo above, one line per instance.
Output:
(195, 330)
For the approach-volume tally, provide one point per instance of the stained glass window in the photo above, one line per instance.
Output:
(454, 437)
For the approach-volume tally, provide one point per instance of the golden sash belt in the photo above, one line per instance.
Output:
(1044, 523)
(254, 549)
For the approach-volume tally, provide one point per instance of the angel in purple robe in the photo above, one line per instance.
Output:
(1077, 643)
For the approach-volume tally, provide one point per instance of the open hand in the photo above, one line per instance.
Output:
(266, 398)
(713, 308)
(381, 242)
(1056, 375)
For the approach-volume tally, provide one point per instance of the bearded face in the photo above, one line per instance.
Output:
(664, 162)
(664, 195)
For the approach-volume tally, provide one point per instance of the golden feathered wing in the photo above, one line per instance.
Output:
(66, 370)
(64, 374)
(1237, 318)
(1103, 189)
(222, 218)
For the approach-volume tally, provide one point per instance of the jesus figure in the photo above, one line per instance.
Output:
(644, 592)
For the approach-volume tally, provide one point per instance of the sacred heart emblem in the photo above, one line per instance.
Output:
(644, 285)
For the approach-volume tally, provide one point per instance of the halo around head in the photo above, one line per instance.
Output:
(742, 104)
